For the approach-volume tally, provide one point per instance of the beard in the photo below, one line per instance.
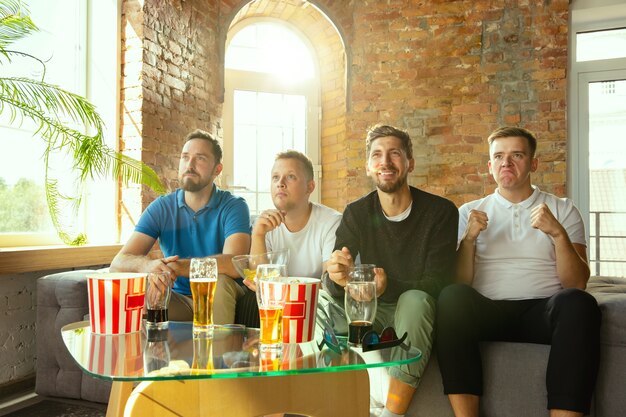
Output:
(192, 184)
(391, 187)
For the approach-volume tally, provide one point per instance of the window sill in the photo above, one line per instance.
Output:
(43, 258)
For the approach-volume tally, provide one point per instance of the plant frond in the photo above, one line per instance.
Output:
(8, 53)
(92, 157)
(14, 23)
(50, 99)
(131, 170)
(52, 198)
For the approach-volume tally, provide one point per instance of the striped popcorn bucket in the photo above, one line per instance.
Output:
(115, 302)
(298, 356)
(300, 309)
(116, 354)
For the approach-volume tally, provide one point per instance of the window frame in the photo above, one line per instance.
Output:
(99, 41)
(587, 16)
(262, 82)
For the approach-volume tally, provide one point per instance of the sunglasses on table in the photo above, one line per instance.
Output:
(386, 339)
(330, 340)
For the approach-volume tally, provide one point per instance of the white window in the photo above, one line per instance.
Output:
(601, 44)
(597, 126)
(271, 105)
(78, 41)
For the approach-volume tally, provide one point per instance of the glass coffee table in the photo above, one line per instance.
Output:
(171, 372)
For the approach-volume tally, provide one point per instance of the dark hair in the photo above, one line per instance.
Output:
(201, 134)
(512, 131)
(381, 131)
(304, 160)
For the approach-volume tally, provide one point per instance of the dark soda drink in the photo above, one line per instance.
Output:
(157, 316)
(357, 329)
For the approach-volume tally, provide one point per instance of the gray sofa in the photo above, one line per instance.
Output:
(62, 299)
(514, 372)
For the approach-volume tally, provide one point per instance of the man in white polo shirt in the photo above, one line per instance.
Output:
(522, 270)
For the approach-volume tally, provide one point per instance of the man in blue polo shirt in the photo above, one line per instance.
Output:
(196, 220)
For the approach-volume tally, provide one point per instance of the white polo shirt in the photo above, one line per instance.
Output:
(513, 260)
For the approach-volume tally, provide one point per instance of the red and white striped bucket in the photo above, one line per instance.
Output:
(116, 301)
(295, 357)
(300, 310)
(114, 355)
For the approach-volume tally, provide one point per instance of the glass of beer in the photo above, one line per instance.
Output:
(202, 362)
(271, 296)
(203, 281)
(360, 302)
(158, 293)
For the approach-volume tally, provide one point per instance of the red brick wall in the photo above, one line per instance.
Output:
(447, 71)
(171, 85)
(450, 72)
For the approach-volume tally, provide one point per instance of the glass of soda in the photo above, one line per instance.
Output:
(360, 302)
(158, 293)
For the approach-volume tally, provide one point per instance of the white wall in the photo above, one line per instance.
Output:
(17, 326)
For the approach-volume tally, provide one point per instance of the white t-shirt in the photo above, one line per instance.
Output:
(310, 247)
(513, 260)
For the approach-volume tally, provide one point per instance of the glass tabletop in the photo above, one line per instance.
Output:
(232, 352)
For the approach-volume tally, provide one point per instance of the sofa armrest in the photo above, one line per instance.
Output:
(62, 298)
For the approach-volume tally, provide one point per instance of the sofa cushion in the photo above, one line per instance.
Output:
(610, 292)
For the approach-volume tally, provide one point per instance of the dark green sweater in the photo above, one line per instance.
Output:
(418, 252)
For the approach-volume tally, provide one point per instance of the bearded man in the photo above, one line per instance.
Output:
(410, 235)
(196, 220)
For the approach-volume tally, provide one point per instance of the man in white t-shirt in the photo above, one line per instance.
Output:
(522, 270)
(307, 229)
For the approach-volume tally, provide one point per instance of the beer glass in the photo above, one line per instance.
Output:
(203, 281)
(360, 302)
(158, 293)
(271, 296)
(202, 355)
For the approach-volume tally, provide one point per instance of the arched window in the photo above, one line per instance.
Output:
(271, 104)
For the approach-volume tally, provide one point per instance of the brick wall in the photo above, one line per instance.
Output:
(171, 85)
(448, 72)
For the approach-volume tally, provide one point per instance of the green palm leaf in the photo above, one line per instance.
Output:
(14, 23)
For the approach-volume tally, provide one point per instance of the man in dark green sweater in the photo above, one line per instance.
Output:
(410, 236)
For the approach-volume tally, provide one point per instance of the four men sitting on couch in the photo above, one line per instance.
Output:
(521, 265)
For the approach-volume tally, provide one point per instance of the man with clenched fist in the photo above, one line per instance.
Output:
(521, 274)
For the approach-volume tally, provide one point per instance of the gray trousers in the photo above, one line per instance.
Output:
(414, 313)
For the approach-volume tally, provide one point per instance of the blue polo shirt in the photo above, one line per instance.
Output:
(189, 234)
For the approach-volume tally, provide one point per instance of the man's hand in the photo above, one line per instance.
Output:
(157, 285)
(476, 223)
(542, 218)
(381, 281)
(179, 267)
(268, 221)
(250, 283)
(339, 265)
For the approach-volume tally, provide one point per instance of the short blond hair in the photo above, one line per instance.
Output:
(511, 132)
(299, 156)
